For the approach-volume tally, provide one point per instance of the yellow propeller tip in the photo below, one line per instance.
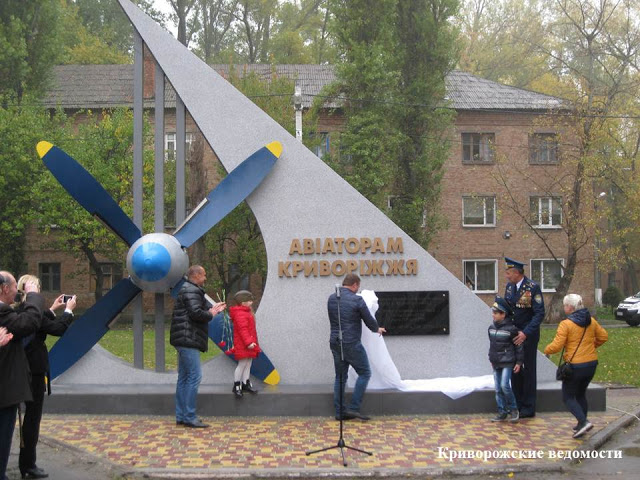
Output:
(43, 147)
(275, 148)
(274, 377)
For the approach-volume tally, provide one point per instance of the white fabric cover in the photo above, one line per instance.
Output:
(385, 375)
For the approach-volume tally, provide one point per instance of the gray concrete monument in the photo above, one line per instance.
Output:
(316, 227)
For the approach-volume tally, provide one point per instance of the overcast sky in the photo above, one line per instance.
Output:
(164, 7)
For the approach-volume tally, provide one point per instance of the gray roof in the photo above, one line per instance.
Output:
(469, 92)
(106, 86)
(90, 86)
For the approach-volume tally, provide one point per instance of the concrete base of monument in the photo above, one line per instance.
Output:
(286, 400)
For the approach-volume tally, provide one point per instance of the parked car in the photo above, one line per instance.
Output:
(629, 310)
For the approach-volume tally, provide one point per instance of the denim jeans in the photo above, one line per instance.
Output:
(189, 376)
(574, 391)
(356, 356)
(505, 398)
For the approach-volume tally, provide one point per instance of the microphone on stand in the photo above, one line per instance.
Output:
(338, 290)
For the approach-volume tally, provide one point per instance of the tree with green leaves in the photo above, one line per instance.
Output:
(300, 33)
(184, 16)
(20, 129)
(105, 20)
(592, 49)
(102, 145)
(488, 29)
(391, 82)
(29, 46)
(84, 44)
(366, 87)
(426, 55)
(215, 34)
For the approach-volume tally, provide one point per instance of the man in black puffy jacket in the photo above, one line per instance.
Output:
(15, 385)
(505, 358)
(346, 312)
(189, 335)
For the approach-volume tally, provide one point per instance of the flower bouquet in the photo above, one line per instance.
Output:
(226, 344)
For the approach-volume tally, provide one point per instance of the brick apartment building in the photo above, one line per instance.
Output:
(499, 131)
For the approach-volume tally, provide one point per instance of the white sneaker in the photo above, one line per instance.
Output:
(584, 428)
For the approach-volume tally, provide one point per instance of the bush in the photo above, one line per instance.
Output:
(612, 297)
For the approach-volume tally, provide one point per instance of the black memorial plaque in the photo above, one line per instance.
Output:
(414, 313)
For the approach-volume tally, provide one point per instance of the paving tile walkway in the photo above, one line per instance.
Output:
(248, 443)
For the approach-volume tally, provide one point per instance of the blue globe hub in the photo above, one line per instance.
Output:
(151, 262)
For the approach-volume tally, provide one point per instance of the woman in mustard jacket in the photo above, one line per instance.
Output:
(580, 351)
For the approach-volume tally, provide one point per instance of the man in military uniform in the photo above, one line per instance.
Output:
(525, 297)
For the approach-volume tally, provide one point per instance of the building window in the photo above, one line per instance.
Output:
(480, 275)
(479, 211)
(546, 212)
(323, 146)
(543, 148)
(547, 273)
(478, 147)
(170, 147)
(112, 274)
(49, 274)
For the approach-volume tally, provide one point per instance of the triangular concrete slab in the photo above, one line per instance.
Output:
(302, 198)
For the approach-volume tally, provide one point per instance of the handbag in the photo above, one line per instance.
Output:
(565, 370)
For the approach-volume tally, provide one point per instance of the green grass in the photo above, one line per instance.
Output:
(119, 341)
(606, 316)
(618, 359)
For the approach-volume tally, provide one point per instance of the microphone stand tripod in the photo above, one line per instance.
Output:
(341, 443)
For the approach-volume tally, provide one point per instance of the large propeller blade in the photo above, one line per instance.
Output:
(229, 193)
(87, 330)
(87, 191)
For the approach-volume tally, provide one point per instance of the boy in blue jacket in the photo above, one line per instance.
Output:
(505, 358)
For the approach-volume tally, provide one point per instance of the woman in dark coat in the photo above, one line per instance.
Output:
(38, 356)
(245, 341)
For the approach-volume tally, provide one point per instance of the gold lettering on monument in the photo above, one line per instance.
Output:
(351, 247)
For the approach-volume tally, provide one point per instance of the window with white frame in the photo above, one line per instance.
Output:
(547, 273)
(546, 212)
(478, 147)
(480, 275)
(479, 211)
(543, 148)
(170, 147)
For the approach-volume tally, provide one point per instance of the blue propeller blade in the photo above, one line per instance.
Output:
(87, 191)
(229, 193)
(87, 330)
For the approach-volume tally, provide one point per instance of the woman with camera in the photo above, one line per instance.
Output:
(578, 336)
(38, 356)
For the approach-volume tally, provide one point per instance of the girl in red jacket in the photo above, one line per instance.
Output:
(245, 341)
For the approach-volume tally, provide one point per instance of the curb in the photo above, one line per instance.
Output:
(116, 470)
(344, 473)
(603, 436)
